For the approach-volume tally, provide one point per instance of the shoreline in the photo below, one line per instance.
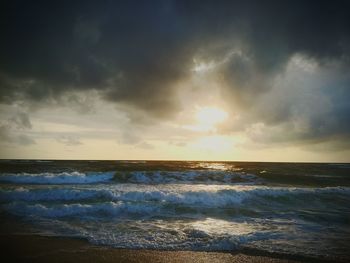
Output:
(37, 248)
(19, 242)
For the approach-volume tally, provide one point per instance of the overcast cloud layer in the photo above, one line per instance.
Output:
(282, 66)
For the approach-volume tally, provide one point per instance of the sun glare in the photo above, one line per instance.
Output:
(208, 117)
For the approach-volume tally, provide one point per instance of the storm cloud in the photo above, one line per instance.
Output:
(137, 53)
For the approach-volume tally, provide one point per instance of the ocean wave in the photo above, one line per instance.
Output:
(57, 178)
(188, 176)
(50, 194)
(135, 177)
(65, 210)
(186, 217)
(199, 195)
(201, 235)
(209, 234)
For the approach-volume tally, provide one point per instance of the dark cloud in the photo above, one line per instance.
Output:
(134, 53)
(302, 108)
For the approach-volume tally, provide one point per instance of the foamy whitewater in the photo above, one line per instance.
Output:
(295, 209)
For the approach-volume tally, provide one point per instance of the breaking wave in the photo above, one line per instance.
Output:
(135, 177)
(199, 195)
(57, 178)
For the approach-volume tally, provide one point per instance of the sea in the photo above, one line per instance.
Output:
(296, 209)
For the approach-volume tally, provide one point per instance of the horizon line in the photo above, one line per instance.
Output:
(170, 160)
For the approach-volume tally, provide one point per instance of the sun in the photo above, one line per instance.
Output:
(208, 117)
(211, 116)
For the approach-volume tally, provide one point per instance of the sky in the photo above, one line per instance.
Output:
(175, 80)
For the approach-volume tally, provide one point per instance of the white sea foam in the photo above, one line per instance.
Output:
(208, 234)
(184, 235)
(57, 178)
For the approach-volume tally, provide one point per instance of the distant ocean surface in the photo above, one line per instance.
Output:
(289, 208)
